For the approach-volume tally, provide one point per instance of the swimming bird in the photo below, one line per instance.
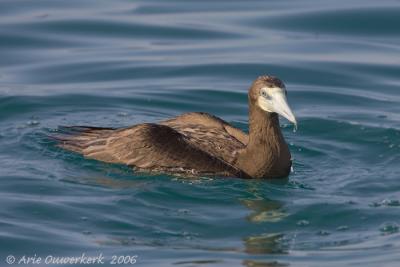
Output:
(197, 143)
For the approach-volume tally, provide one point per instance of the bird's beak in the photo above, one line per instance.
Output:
(281, 106)
(277, 102)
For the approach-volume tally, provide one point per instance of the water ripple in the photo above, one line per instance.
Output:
(119, 63)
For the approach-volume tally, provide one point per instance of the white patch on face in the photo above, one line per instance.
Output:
(274, 100)
(265, 100)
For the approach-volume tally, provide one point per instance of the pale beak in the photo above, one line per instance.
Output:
(281, 106)
(277, 102)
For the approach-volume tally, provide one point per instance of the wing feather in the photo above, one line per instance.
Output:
(154, 147)
(210, 133)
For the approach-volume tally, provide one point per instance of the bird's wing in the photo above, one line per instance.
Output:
(153, 147)
(210, 133)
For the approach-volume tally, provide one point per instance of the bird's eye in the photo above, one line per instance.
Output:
(264, 94)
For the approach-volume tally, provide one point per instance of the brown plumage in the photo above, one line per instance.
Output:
(193, 144)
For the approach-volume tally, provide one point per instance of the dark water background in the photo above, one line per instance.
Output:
(117, 63)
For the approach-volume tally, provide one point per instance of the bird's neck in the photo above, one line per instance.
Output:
(266, 154)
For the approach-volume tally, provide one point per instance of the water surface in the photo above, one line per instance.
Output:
(117, 63)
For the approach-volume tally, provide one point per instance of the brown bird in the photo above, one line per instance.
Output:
(198, 144)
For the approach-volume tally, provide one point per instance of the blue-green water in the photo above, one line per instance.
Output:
(117, 63)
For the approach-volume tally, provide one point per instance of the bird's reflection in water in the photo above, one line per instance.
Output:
(256, 263)
(264, 210)
(265, 244)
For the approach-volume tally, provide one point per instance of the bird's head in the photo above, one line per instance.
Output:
(269, 94)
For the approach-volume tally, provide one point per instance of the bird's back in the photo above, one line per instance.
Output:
(180, 145)
(210, 134)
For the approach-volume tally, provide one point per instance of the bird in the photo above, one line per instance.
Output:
(197, 144)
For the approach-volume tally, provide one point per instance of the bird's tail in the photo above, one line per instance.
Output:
(78, 138)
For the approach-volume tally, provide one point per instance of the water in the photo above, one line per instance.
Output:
(117, 63)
